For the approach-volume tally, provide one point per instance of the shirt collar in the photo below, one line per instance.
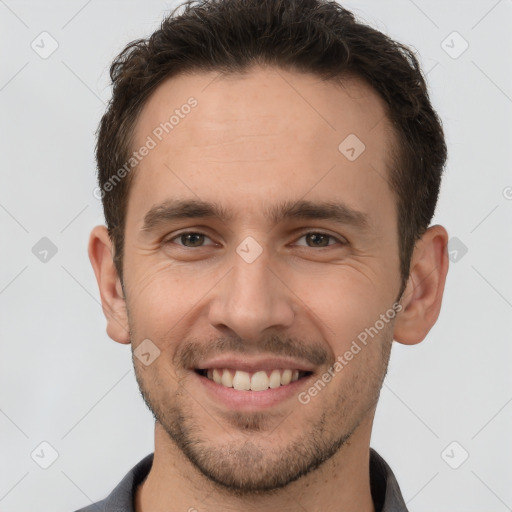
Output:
(385, 491)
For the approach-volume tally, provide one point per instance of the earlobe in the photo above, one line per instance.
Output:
(111, 291)
(423, 295)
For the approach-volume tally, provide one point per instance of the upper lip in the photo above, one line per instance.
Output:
(251, 364)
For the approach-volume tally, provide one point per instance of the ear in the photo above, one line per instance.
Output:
(421, 300)
(111, 291)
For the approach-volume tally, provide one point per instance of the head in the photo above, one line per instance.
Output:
(269, 171)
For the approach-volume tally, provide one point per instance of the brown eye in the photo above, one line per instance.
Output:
(319, 239)
(195, 239)
(189, 239)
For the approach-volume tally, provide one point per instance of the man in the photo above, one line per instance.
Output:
(268, 170)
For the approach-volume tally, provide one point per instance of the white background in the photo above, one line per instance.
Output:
(63, 381)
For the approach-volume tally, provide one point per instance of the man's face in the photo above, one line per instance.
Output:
(258, 291)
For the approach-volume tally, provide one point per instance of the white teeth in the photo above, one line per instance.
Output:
(241, 380)
(275, 379)
(227, 379)
(217, 377)
(286, 377)
(259, 381)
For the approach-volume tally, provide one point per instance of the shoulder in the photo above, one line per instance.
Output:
(386, 493)
(121, 498)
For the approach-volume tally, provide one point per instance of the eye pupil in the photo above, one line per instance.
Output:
(315, 236)
(186, 237)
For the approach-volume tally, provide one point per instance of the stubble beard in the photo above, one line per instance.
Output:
(256, 459)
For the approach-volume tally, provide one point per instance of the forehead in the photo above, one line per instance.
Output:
(264, 101)
(269, 132)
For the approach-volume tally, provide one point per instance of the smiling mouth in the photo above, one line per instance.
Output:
(252, 381)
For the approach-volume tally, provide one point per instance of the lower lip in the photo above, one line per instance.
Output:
(252, 400)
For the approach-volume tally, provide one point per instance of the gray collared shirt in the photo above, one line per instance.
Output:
(385, 490)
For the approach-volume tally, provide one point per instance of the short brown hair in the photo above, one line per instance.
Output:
(312, 36)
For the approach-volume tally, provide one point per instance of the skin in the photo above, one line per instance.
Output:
(252, 141)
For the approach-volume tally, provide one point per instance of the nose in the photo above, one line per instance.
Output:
(252, 298)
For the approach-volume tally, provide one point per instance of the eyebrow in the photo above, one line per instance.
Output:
(178, 209)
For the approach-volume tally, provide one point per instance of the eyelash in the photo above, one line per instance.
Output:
(342, 242)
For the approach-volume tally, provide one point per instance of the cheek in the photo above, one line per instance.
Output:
(165, 299)
(159, 297)
(342, 302)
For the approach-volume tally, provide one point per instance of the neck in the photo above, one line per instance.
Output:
(341, 484)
